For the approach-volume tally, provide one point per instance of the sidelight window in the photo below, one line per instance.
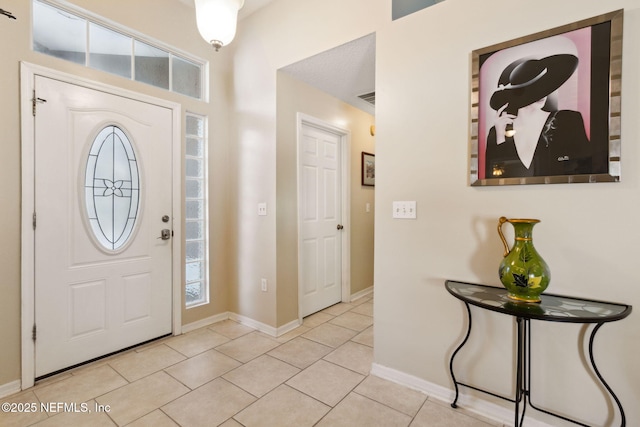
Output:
(196, 218)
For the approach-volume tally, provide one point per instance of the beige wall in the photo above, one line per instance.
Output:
(284, 32)
(587, 233)
(168, 21)
(295, 97)
(422, 114)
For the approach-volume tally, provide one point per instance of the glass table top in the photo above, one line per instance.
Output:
(556, 308)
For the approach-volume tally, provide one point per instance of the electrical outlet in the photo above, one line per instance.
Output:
(262, 209)
(263, 284)
(404, 210)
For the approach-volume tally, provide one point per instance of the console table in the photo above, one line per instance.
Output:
(552, 308)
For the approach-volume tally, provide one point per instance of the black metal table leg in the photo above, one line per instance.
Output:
(521, 370)
(593, 365)
(453, 377)
(604, 383)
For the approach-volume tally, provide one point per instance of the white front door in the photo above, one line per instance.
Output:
(320, 218)
(103, 195)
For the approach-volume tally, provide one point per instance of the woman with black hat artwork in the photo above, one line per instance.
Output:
(530, 136)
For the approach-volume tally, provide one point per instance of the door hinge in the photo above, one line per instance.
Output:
(35, 100)
(33, 332)
(34, 221)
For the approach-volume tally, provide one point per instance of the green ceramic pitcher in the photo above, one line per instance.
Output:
(523, 271)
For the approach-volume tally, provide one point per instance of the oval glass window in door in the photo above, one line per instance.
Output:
(112, 188)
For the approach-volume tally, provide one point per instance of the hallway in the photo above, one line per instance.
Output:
(231, 375)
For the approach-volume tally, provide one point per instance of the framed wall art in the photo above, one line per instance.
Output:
(368, 169)
(545, 108)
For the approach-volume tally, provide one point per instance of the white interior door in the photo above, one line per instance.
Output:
(103, 183)
(320, 218)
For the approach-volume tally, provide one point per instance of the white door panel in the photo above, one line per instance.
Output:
(320, 202)
(91, 301)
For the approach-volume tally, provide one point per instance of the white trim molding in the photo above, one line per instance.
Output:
(10, 388)
(263, 327)
(205, 322)
(474, 405)
(361, 294)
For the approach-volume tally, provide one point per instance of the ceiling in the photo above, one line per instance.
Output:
(344, 72)
(249, 7)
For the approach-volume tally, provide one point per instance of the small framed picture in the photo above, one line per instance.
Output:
(368, 169)
(545, 108)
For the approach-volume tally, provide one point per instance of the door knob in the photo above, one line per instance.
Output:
(340, 227)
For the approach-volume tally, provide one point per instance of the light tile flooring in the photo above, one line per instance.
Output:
(231, 375)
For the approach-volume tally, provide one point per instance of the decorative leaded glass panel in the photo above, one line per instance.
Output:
(112, 188)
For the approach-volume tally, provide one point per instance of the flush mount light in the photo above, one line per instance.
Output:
(217, 20)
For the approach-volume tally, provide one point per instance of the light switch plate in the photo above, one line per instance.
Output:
(404, 210)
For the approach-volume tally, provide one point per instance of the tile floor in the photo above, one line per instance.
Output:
(230, 375)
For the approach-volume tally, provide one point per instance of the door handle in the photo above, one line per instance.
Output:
(340, 227)
(165, 234)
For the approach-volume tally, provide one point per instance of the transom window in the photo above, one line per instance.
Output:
(70, 36)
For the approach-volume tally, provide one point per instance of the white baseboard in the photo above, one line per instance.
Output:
(288, 327)
(262, 327)
(205, 322)
(10, 388)
(247, 321)
(363, 293)
(475, 405)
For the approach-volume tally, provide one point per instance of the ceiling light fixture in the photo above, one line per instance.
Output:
(217, 20)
